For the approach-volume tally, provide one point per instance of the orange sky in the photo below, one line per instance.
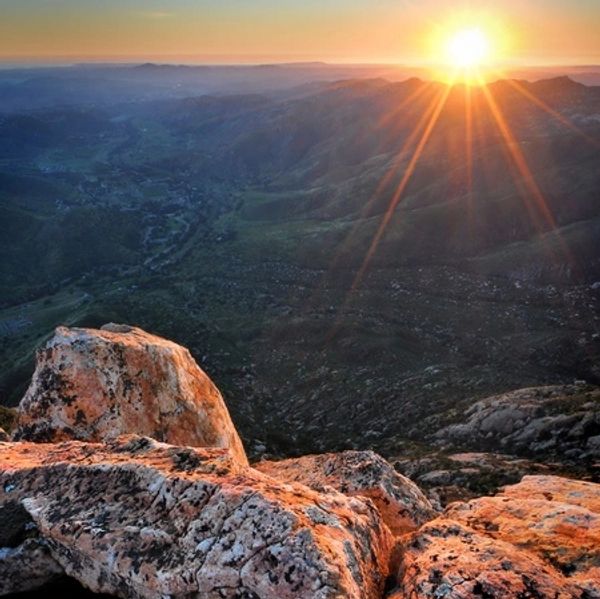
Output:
(396, 31)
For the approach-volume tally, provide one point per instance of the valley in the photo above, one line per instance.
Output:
(236, 225)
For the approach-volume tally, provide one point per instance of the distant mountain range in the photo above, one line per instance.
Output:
(106, 84)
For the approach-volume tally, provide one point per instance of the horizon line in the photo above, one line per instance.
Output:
(262, 60)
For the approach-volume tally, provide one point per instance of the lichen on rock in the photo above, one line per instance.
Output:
(539, 538)
(401, 503)
(141, 519)
(94, 385)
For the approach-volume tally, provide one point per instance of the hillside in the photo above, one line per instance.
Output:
(237, 225)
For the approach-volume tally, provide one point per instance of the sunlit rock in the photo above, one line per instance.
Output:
(360, 473)
(540, 538)
(141, 519)
(95, 385)
(447, 559)
(555, 518)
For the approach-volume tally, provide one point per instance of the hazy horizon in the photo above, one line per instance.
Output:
(287, 31)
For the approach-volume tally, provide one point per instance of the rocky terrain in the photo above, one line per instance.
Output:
(236, 224)
(165, 504)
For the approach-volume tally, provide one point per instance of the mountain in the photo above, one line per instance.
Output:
(242, 225)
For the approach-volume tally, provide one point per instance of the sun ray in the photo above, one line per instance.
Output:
(554, 113)
(518, 158)
(386, 119)
(540, 207)
(402, 186)
(469, 138)
(392, 170)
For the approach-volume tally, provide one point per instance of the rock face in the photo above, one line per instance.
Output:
(540, 538)
(560, 421)
(359, 473)
(134, 517)
(26, 567)
(550, 516)
(446, 559)
(94, 385)
(3, 435)
(140, 519)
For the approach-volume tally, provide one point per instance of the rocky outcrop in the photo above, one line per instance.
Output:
(94, 385)
(359, 473)
(140, 519)
(134, 517)
(447, 559)
(540, 538)
(559, 421)
(553, 517)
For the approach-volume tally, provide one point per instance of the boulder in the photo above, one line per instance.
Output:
(137, 518)
(539, 538)
(558, 422)
(401, 503)
(447, 559)
(94, 385)
(555, 518)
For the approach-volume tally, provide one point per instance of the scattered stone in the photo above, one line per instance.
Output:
(402, 505)
(559, 422)
(449, 477)
(94, 385)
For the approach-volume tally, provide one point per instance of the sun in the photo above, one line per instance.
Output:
(468, 49)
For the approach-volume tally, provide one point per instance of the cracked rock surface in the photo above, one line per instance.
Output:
(137, 518)
(402, 505)
(94, 385)
(539, 538)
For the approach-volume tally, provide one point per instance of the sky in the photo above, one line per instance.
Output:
(534, 32)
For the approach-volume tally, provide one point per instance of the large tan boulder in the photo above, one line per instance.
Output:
(140, 519)
(539, 538)
(94, 385)
(402, 505)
